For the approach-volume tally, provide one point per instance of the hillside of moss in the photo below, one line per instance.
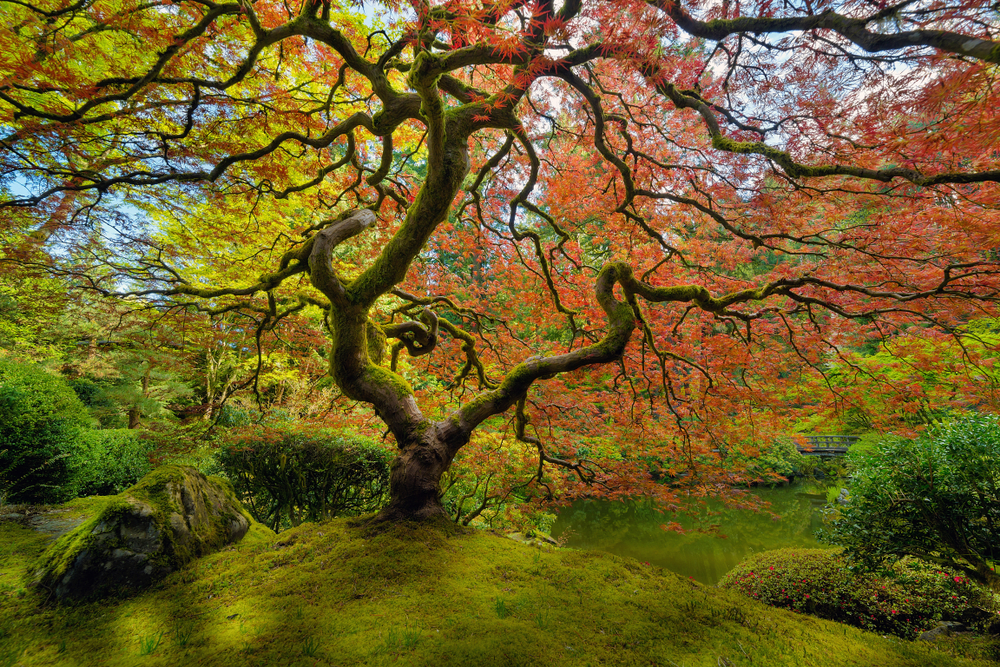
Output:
(338, 593)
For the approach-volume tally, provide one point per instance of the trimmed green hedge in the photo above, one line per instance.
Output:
(907, 600)
(42, 444)
(287, 478)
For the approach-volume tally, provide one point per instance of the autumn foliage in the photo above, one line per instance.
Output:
(663, 223)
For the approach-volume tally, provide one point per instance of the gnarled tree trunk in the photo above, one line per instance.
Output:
(415, 481)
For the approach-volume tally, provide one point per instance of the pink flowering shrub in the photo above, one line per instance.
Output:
(910, 598)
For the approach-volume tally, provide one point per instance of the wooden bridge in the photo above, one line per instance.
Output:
(826, 446)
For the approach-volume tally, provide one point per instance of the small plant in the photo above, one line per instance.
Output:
(390, 643)
(396, 641)
(832, 493)
(411, 637)
(149, 643)
(500, 606)
(183, 634)
(737, 615)
(690, 607)
(310, 647)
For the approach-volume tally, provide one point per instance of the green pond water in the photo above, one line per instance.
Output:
(633, 529)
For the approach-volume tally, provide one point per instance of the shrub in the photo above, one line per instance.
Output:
(118, 458)
(97, 401)
(938, 495)
(289, 478)
(868, 443)
(906, 600)
(42, 446)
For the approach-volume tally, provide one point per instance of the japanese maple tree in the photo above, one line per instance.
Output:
(540, 206)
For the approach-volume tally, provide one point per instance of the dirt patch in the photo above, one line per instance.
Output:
(55, 522)
(52, 521)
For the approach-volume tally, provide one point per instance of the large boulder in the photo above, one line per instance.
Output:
(172, 516)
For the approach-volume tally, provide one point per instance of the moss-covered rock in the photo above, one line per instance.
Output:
(172, 516)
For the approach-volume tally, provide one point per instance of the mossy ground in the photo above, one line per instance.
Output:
(339, 594)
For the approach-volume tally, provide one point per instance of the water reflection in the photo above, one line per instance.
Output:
(633, 529)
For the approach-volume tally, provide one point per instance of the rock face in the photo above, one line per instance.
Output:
(172, 516)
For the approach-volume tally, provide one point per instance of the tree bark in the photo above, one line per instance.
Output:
(134, 417)
(415, 482)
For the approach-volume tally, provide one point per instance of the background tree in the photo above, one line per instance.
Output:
(917, 378)
(648, 215)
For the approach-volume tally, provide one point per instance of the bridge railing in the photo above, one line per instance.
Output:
(816, 441)
(825, 445)
(822, 445)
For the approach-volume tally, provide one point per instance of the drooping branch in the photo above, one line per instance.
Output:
(623, 318)
(88, 180)
(621, 323)
(584, 468)
(854, 29)
(794, 169)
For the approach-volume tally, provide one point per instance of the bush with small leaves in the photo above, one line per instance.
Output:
(42, 443)
(935, 497)
(910, 598)
(118, 458)
(771, 463)
(284, 479)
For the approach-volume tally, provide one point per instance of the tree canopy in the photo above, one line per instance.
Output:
(659, 213)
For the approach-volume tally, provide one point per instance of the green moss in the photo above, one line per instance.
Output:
(375, 339)
(995, 55)
(258, 534)
(724, 143)
(153, 491)
(386, 378)
(784, 159)
(338, 594)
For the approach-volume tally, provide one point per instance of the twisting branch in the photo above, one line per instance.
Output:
(419, 338)
(320, 265)
(583, 468)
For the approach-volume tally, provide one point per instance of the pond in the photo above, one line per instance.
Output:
(633, 529)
